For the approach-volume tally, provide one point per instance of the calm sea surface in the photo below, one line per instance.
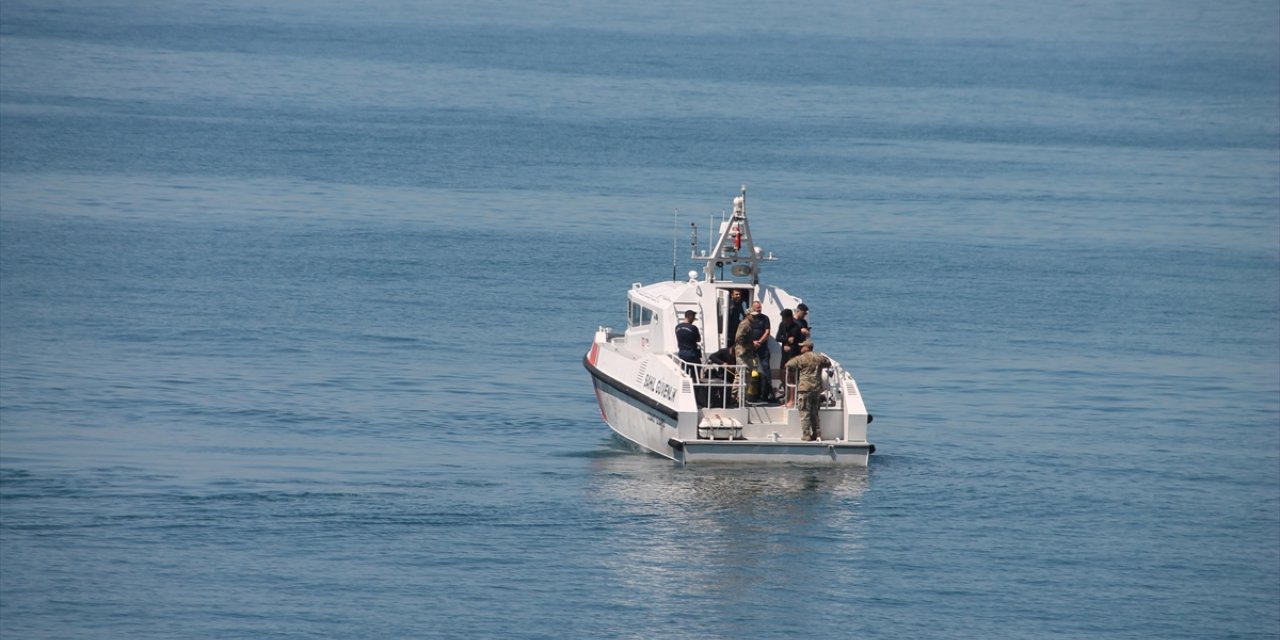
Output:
(294, 297)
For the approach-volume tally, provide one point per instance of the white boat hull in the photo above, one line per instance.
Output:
(765, 435)
(635, 421)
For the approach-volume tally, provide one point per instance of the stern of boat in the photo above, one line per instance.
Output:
(728, 430)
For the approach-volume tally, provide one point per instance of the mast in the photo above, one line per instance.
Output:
(735, 248)
(675, 218)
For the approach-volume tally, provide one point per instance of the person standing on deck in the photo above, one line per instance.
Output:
(744, 350)
(788, 346)
(689, 339)
(760, 330)
(734, 314)
(809, 365)
(800, 331)
(802, 325)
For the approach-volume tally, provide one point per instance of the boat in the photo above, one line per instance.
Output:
(702, 411)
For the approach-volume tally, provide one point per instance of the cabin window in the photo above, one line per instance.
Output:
(639, 316)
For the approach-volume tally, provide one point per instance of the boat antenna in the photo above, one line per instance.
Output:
(674, 221)
(713, 248)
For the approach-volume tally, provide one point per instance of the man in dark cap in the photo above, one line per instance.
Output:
(809, 365)
(689, 339)
(802, 321)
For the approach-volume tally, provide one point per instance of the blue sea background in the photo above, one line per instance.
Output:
(294, 298)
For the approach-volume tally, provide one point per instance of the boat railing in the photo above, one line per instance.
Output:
(717, 386)
(832, 379)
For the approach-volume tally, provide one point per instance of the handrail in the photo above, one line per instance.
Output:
(837, 379)
(790, 379)
(716, 386)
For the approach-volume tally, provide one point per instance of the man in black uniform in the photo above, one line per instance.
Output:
(721, 378)
(734, 314)
(802, 321)
(760, 330)
(689, 339)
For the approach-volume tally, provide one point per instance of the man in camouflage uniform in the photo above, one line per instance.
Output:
(809, 366)
(744, 349)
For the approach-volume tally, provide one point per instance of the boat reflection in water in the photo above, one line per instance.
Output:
(748, 535)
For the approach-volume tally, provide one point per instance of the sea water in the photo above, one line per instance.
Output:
(294, 299)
